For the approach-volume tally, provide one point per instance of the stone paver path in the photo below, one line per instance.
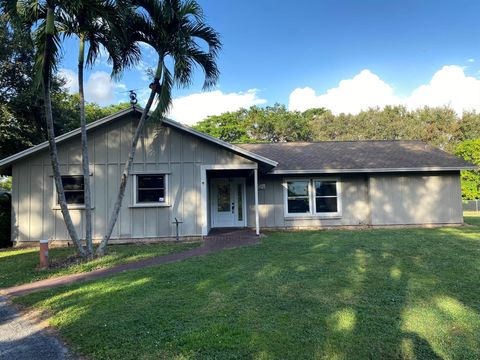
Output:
(22, 338)
(217, 242)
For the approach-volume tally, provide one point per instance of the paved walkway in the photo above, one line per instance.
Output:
(22, 338)
(219, 240)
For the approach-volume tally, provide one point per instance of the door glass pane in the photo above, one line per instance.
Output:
(240, 202)
(223, 197)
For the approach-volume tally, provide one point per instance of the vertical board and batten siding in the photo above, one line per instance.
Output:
(395, 199)
(416, 199)
(162, 149)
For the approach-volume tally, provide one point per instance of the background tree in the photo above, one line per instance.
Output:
(41, 17)
(470, 151)
(22, 119)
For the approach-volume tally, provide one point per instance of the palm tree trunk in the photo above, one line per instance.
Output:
(51, 133)
(123, 181)
(128, 165)
(84, 144)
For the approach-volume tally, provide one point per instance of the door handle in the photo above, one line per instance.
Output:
(233, 208)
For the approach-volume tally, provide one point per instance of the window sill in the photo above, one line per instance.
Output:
(313, 217)
(72, 207)
(150, 205)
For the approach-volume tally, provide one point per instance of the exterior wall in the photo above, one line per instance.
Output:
(416, 199)
(377, 200)
(355, 208)
(161, 149)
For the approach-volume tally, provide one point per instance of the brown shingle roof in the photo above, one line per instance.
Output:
(357, 156)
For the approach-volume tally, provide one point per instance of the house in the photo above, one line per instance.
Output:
(207, 183)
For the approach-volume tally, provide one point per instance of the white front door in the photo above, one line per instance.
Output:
(228, 202)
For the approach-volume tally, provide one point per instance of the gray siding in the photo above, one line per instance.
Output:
(416, 199)
(162, 149)
(408, 199)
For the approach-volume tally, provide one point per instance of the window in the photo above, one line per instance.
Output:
(326, 199)
(223, 196)
(73, 186)
(312, 197)
(298, 199)
(151, 189)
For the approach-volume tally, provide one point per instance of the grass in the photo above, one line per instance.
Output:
(371, 294)
(18, 266)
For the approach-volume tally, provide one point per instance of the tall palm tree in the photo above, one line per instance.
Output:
(176, 30)
(41, 16)
(96, 23)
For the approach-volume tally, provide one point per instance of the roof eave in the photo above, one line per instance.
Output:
(7, 162)
(372, 170)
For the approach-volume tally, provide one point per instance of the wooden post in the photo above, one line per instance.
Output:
(257, 220)
(43, 254)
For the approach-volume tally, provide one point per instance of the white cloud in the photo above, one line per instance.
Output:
(99, 87)
(71, 80)
(449, 86)
(195, 107)
(471, 60)
(364, 90)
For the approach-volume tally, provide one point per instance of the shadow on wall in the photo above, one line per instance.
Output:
(408, 294)
(5, 219)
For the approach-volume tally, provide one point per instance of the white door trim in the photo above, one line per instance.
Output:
(228, 218)
(204, 188)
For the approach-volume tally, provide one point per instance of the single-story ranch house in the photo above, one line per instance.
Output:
(207, 183)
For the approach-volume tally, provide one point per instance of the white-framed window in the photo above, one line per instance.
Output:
(316, 197)
(150, 190)
(298, 196)
(74, 189)
(326, 194)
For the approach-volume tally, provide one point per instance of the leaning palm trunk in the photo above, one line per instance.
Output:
(126, 172)
(84, 144)
(51, 134)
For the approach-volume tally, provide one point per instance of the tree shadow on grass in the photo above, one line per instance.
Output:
(406, 294)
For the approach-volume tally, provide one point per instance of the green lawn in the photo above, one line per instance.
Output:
(371, 294)
(18, 266)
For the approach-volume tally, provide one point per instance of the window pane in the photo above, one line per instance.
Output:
(73, 189)
(325, 205)
(223, 197)
(325, 188)
(75, 197)
(151, 181)
(297, 188)
(72, 182)
(240, 202)
(151, 196)
(298, 206)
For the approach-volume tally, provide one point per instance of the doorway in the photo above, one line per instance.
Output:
(228, 202)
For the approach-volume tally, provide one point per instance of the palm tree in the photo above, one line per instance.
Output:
(176, 30)
(96, 23)
(41, 16)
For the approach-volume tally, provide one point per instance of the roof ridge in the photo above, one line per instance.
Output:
(328, 141)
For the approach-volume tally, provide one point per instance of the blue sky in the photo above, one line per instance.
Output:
(272, 48)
